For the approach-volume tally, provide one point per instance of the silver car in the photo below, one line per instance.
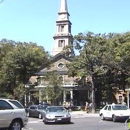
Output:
(56, 114)
(12, 114)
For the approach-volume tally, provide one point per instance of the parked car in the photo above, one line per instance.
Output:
(36, 111)
(115, 112)
(45, 104)
(56, 114)
(12, 114)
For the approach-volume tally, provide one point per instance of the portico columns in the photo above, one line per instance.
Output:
(71, 97)
(128, 99)
(25, 100)
(40, 98)
(29, 98)
(64, 97)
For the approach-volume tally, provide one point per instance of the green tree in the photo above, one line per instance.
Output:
(19, 64)
(118, 60)
(88, 63)
(5, 47)
(53, 90)
(104, 58)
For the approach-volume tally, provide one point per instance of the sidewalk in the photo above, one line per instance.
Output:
(83, 113)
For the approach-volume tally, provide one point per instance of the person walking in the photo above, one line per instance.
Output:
(90, 107)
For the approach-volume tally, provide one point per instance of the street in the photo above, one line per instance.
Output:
(83, 123)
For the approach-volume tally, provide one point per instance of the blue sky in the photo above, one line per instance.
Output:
(34, 20)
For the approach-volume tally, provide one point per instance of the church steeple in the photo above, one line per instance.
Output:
(63, 11)
(63, 6)
(63, 36)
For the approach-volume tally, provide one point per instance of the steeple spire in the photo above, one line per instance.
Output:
(63, 36)
(63, 6)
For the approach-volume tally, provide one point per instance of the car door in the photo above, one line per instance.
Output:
(36, 111)
(6, 114)
(32, 111)
(105, 111)
(109, 112)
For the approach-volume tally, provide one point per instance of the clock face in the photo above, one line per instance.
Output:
(63, 16)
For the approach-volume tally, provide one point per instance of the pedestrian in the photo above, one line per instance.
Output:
(90, 107)
(87, 106)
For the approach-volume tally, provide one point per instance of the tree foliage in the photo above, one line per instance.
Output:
(104, 58)
(53, 89)
(19, 61)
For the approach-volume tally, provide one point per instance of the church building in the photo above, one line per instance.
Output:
(72, 94)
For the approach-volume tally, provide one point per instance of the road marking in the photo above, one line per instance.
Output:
(38, 121)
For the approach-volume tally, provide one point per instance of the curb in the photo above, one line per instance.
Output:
(83, 114)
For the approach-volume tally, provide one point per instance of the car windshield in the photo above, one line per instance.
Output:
(17, 104)
(119, 107)
(42, 107)
(56, 109)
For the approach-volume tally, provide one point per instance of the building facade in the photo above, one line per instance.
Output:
(72, 94)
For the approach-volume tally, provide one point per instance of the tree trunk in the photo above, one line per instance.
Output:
(93, 97)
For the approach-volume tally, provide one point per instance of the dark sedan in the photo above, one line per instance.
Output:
(36, 111)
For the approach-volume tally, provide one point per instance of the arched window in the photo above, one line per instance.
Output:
(61, 43)
(61, 28)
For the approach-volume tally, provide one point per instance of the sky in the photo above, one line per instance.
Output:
(35, 20)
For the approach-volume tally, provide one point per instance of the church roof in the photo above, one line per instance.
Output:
(53, 59)
(60, 55)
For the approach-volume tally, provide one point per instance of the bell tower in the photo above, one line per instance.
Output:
(63, 36)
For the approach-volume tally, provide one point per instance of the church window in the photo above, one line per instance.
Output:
(60, 65)
(61, 28)
(58, 28)
(61, 43)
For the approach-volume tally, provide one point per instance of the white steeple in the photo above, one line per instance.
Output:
(63, 6)
(63, 11)
(63, 36)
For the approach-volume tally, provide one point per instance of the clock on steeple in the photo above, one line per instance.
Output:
(63, 16)
(63, 35)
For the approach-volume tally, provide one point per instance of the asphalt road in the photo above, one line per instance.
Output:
(86, 123)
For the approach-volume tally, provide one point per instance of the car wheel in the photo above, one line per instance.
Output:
(40, 116)
(114, 118)
(102, 117)
(15, 125)
(45, 122)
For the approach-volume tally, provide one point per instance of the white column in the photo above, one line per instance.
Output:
(128, 99)
(71, 97)
(29, 98)
(25, 100)
(40, 98)
(47, 97)
(64, 97)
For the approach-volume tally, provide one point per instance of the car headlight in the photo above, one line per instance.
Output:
(50, 116)
(66, 115)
